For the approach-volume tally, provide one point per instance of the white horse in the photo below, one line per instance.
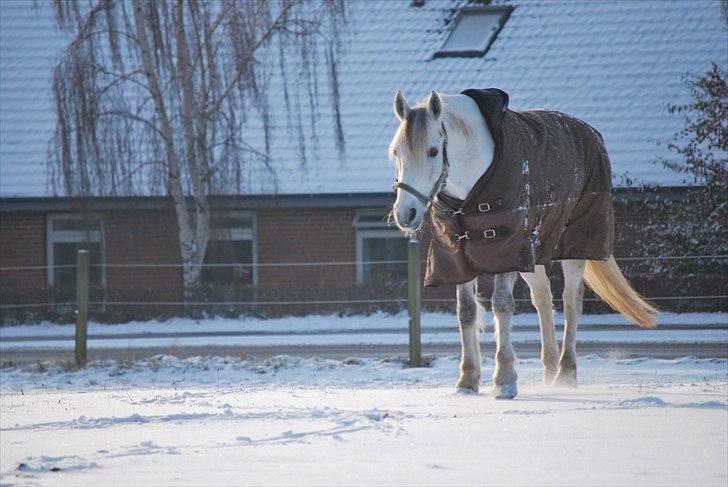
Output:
(420, 167)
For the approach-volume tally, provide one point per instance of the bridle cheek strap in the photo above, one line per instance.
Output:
(439, 184)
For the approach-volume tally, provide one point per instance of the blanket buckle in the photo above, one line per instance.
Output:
(490, 233)
(465, 236)
(459, 211)
(484, 207)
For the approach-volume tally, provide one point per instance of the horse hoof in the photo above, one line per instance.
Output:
(505, 391)
(466, 391)
(566, 378)
(468, 383)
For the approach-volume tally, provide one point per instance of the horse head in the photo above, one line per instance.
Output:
(419, 153)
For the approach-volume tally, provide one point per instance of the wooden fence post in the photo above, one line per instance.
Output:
(82, 264)
(414, 295)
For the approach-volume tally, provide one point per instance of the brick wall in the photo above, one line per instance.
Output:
(282, 235)
(134, 238)
(22, 243)
(317, 235)
(305, 236)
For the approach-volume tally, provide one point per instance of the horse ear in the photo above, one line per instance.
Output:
(401, 108)
(434, 105)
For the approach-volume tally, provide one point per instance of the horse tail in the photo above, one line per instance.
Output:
(605, 279)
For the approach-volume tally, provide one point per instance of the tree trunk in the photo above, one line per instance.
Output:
(194, 161)
(188, 246)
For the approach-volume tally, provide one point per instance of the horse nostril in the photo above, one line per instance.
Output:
(412, 214)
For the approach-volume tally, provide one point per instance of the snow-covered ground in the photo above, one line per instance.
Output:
(330, 323)
(298, 421)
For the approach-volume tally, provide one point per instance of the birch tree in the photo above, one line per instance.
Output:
(152, 97)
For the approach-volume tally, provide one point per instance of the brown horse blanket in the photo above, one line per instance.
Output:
(545, 196)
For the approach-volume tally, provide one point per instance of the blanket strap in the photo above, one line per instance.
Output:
(474, 209)
(476, 234)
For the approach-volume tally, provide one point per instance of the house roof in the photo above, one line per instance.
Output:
(614, 64)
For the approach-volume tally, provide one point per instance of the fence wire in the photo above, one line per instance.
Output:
(311, 264)
(311, 302)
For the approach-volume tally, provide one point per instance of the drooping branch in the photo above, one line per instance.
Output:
(158, 97)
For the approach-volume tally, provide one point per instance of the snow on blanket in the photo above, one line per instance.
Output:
(294, 421)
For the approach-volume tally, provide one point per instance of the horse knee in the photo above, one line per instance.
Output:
(574, 289)
(503, 304)
(573, 294)
(467, 309)
(542, 299)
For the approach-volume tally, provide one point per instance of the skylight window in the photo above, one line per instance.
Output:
(474, 31)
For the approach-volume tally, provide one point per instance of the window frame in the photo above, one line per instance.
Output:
(73, 236)
(363, 230)
(233, 234)
(505, 13)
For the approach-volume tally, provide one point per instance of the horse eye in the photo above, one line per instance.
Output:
(433, 152)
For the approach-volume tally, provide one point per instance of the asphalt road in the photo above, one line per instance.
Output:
(524, 350)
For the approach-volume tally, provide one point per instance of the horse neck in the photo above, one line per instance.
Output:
(470, 145)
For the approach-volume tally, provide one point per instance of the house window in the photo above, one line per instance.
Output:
(473, 31)
(66, 235)
(376, 241)
(231, 242)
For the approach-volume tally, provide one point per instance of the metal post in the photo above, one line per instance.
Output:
(414, 295)
(82, 262)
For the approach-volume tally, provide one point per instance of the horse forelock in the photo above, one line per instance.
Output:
(412, 134)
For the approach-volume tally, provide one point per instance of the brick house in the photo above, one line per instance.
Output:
(613, 64)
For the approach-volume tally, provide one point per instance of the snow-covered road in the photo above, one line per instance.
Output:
(296, 421)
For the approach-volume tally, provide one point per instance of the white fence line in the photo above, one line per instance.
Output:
(316, 264)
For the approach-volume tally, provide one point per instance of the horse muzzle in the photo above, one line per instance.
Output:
(409, 217)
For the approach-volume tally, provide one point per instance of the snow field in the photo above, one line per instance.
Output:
(330, 323)
(296, 421)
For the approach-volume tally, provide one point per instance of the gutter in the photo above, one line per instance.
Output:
(283, 201)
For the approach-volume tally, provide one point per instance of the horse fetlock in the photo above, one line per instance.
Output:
(469, 376)
(504, 374)
(567, 360)
(566, 375)
(550, 361)
(549, 373)
(566, 378)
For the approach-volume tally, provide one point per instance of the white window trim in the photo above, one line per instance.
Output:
(358, 223)
(233, 234)
(364, 230)
(72, 236)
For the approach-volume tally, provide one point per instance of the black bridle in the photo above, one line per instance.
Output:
(439, 185)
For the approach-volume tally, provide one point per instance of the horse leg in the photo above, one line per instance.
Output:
(542, 300)
(504, 375)
(468, 317)
(573, 305)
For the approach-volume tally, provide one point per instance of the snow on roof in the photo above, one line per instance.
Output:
(614, 64)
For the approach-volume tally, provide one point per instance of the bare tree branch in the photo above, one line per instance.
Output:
(155, 97)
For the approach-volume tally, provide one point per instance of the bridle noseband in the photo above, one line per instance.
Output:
(439, 185)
